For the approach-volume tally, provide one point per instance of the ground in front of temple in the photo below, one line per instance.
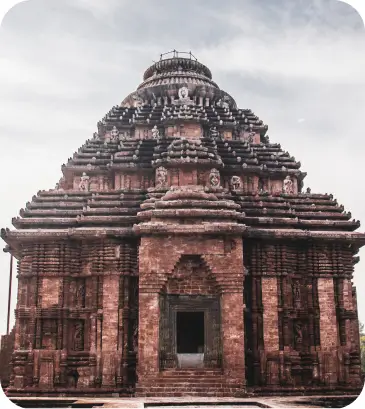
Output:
(302, 402)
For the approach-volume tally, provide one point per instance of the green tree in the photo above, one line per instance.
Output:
(362, 346)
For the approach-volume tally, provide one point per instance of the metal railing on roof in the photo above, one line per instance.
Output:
(176, 54)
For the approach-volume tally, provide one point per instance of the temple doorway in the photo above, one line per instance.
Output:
(190, 332)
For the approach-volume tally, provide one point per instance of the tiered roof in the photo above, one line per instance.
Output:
(116, 147)
(123, 117)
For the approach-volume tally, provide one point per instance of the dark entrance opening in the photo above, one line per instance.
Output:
(190, 332)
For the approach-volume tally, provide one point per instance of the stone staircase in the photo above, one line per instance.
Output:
(189, 382)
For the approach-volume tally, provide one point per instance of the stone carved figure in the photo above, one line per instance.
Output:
(296, 293)
(84, 182)
(249, 138)
(298, 334)
(189, 267)
(214, 178)
(213, 132)
(155, 132)
(223, 102)
(78, 337)
(161, 177)
(288, 185)
(184, 98)
(236, 183)
(80, 295)
(183, 93)
(114, 134)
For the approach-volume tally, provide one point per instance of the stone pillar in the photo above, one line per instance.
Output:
(110, 329)
(348, 306)
(233, 336)
(271, 329)
(148, 334)
(328, 330)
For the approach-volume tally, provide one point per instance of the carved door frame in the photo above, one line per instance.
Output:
(170, 304)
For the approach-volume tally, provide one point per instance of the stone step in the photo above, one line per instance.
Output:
(192, 372)
(183, 385)
(186, 389)
(191, 375)
(175, 393)
(195, 376)
(188, 379)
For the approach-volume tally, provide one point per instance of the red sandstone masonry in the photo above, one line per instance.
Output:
(270, 304)
(328, 325)
(88, 311)
(155, 270)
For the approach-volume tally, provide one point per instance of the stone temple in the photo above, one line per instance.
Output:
(180, 255)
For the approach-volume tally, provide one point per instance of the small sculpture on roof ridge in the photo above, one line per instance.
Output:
(155, 132)
(84, 182)
(214, 178)
(161, 177)
(236, 183)
(288, 185)
(184, 98)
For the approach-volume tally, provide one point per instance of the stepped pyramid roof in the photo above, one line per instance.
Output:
(179, 119)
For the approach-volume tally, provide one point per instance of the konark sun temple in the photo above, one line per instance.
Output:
(180, 254)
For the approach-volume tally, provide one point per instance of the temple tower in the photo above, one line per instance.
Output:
(179, 254)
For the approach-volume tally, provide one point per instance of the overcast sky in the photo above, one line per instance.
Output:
(298, 64)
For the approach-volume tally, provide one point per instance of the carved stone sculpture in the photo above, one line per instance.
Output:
(213, 132)
(236, 183)
(298, 335)
(214, 178)
(155, 132)
(161, 177)
(80, 295)
(78, 337)
(114, 134)
(184, 98)
(296, 294)
(223, 102)
(84, 182)
(288, 185)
